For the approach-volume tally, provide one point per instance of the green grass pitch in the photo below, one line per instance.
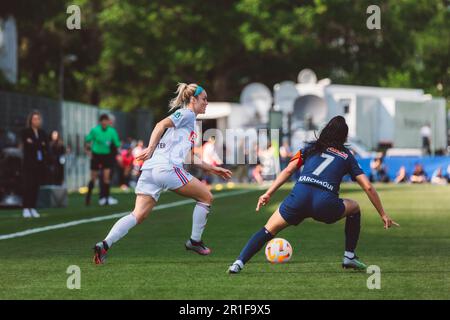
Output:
(151, 262)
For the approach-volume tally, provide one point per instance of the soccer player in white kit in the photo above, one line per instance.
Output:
(170, 143)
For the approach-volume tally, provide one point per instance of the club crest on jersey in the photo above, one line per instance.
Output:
(337, 152)
(177, 115)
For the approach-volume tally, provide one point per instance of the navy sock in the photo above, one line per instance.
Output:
(255, 244)
(352, 229)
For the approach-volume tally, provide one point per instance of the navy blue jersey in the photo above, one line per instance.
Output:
(327, 169)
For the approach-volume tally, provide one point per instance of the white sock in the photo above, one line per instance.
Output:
(199, 218)
(120, 229)
(349, 254)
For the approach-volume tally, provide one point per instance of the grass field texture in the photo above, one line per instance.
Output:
(151, 262)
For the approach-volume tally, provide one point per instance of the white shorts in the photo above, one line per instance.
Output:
(155, 180)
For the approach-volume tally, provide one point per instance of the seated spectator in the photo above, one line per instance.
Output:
(378, 172)
(257, 173)
(438, 177)
(211, 157)
(125, 160)
(267, 160)
(402, 176)
(137, 164)
(419, 175)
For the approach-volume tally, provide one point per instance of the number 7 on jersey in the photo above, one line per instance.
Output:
(324, 164)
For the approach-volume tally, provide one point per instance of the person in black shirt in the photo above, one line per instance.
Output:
(35, 153)
(56, 159)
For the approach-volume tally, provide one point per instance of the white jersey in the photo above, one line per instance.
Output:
(176, 142)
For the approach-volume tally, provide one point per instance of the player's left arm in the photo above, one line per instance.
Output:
(372, 194)
(358, 175)
(218, 171)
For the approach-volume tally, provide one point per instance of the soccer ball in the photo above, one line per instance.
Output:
(278, 250)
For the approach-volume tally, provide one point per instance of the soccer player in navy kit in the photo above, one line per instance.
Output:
(316, 194)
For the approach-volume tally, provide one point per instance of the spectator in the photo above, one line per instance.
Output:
(378, 172)
(285, 154)
(257, 173)
(209, 153)
(438, 177)
(56, 159)
(419, 175)
(137, 164)
(137, 150)
(401, 175)
(425, 133)
(128, 143)
(35, 156)
(266, 156)
(125, 160)
(210, 156)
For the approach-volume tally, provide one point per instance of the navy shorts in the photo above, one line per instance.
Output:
(309, 201)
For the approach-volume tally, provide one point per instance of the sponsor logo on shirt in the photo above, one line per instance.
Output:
(324, 184)
(177, 115)
(192, 137)
(337, 152)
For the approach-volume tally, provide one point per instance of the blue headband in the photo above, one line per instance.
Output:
(198, 91)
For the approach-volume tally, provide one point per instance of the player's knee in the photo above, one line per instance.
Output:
(356, 209)
(207, 198)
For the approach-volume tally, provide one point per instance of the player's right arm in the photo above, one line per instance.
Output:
(156, 135)
(372, 194)
(279, 181)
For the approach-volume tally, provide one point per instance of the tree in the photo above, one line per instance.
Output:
(131, 53)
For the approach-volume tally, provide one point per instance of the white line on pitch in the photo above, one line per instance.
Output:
(111, 216)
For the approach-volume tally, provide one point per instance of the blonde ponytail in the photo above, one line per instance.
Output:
(184, 93)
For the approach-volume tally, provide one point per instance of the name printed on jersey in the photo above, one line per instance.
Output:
(324, 184)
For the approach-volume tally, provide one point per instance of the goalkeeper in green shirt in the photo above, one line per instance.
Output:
(99, 142)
